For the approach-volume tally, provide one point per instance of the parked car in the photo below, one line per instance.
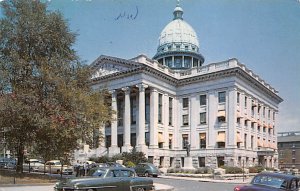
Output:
(146, 169)
(107, 179)
(33, 165)
(55, 167)
(268, 181)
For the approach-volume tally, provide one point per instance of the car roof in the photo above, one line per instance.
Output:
(279, 175)
(114, 168)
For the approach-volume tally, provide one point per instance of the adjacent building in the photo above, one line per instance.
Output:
(289, 149)
(223, 112)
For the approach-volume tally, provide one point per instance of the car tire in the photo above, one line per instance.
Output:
(146, 174)
(140, 189)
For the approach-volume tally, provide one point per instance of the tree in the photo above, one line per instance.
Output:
(46, 100)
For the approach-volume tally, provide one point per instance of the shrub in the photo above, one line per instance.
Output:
(232, 170)
(129, 164)
(256, 169)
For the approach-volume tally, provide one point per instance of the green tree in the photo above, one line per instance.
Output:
(46, 100)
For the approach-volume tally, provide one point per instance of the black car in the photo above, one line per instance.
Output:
(146, 169)
(107, 179)
(268, 181)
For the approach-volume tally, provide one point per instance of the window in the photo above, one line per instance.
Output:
(185, 102)
(147, 108)
(133, 110)
(186, 47)
(185, 140)
(202, 140)
(185, 120)
(245, 141)
(159, 108)
(222, 97)
(177, 47)
(169, 47)
(170, 141)
(120, 107)
(170, 111)
(201, 161)
(203, 118)
(269, 114)
(246, 102)
(202, 100)
(246, 123)
(238, 98)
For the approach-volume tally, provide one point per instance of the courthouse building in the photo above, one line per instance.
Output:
(223, 111)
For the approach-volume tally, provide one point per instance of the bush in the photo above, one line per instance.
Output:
(129, 164)
(256, 169)
(203, 170)
(232, 170)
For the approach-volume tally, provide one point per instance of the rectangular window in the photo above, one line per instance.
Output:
(252, 141)
(170, 111)
(269, 114)
(147, 108)
(222, 97)
(264, 112)
(185, 120)
(203, 118)
(120, 112)
(170, 141)
(201, 161)
(246, 100)
(185, 102)
(185, 140)
(202, 100)
(133, 110)
(202, 140)
(160, 108)
(245, 141)
(238, 98)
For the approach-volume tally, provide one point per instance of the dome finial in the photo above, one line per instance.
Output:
(178, 12)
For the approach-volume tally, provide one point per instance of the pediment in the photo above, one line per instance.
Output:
(107, 66)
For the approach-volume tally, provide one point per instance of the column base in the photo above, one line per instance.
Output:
(188, 163)
(113, 150)
(127, 148)
(142, 148)
(153, 146)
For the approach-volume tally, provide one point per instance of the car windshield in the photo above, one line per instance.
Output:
(96, 172)
(270, 181)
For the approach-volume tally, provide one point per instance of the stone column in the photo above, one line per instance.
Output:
(141, 146)
(231, 115)
(212, 118)
(153, 119)
(194, 120)
(127, 120)
(114, 125)
(166, 120)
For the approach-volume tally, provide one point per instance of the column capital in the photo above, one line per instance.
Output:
(142, 87)
(126, 89)
(153, 89)
(112, 92)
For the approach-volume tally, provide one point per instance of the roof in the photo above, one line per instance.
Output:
(290, 138)
(278, 175)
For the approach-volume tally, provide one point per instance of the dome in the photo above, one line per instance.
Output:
(178, 31)
(178, 45)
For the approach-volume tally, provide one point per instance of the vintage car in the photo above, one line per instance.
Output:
(108, 178)
(55, 167)
(146, 169)
(32, 165)
(268, 181)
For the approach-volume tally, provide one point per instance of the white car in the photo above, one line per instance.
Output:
(55, 167)
(33, 165)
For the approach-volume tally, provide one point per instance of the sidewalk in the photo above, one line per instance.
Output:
(231, 180)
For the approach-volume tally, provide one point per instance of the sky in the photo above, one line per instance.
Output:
(262, 34)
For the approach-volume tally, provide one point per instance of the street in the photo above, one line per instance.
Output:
(179, 185)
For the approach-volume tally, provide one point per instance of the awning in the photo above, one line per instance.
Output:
(202, 135)
(238, 138)
(221, 137)
(238, 115)
(160, 138)
(259, 143)
(221, 113)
